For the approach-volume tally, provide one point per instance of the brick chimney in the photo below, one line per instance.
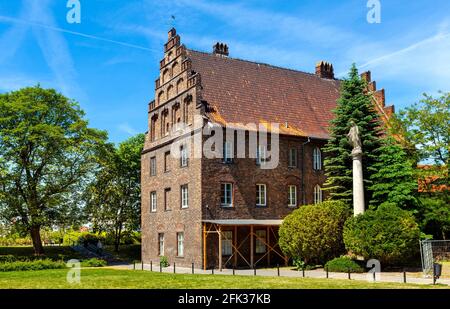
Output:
(220, 49)
(325, 70)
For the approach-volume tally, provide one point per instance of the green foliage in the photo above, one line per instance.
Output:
(393, 179)
(425, 127)
(353, 105)
(343, 264)
(47, 151)
(31, 265)
(434, 215)
(313, 233)
(388, 234)
(93, 262)
(113, 198)
(164, 261)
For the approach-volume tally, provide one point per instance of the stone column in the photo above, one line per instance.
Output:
(358, 186)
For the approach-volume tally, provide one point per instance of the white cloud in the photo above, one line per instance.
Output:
(125, 127)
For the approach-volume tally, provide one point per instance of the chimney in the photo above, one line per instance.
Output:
(325, 70)
(366, 76)
(172, 33)
(220, 49)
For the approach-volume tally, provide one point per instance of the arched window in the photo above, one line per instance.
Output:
(175, 68)
(169, 56)
(317, 159)
(165, 76)
(317, 194)
(169, 92)
(160, 97)
(180, 85)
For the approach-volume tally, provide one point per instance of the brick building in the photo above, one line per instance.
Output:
(225, 211)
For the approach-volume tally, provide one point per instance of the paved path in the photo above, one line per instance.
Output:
(411, 277)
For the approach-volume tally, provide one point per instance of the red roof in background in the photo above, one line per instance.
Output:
(247, 92)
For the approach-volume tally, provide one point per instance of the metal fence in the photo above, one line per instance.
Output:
(432, 251)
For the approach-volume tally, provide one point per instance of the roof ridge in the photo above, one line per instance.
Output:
(264, 64)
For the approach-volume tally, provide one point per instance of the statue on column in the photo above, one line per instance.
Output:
(358, 185)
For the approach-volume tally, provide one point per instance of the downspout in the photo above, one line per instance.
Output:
(303, 171)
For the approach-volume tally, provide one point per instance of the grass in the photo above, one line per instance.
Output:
(129, 279)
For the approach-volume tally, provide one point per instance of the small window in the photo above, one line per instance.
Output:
(227, 243)
(292, 196)
(161, 244)
(167, 161)
(153, 166)
(184, 158)
(261, 153)
(317, 194)
(167, 199)
(226, 199)
(292, 157)
(261, 195)
(261, 239)
(317, 159)
(153, 201)
(180, 244)
(227, 152)
(184, 196)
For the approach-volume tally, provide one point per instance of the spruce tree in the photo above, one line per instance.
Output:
(357, 105)
(393, 180)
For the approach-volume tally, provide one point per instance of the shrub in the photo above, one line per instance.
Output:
(163, 261)
(93, 262)
(314, 233)
(31, 265)
(343, 264)
(388, 234)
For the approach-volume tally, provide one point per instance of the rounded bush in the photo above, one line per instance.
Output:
(388, 234)
(93, 262)
(313, 233)
(343, 264)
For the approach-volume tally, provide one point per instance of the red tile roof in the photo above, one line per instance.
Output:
(247, 92)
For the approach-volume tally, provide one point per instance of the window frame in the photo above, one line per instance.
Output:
(318, 194)
(180, 241)
(227, 152)
(261, 149)
(231, 204)
(317, 159)
(161, 243)
(229, 242)
(259, 243)
(258, 195)
(292, 159)
(184, 158)
(290, 204)
(166, 199)
(166, 161)
(184, 196)
(152, 166)
(153, 201)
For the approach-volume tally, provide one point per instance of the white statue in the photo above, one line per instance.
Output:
(358, 186)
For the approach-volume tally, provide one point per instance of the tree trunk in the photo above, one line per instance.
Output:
(36, 238)
(117, 240)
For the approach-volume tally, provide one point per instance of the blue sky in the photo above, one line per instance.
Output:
(109, 61)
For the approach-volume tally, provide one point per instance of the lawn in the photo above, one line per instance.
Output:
(132, 279)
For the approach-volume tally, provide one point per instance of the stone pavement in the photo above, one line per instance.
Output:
(397, 277)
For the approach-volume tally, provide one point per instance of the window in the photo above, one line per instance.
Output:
(260, 195)
(153, 201)
(227, 152)
(317, 159)
(226, 199)
(167, 161)
(180, 244)
(227, 242)
(292, 196)
(161, 244)
(317, 194)
(166, 199)
(184, 160)
(153, 166)
(260, 241)
(152, 129)
(292, 162)
(184, 196)
(261, 154)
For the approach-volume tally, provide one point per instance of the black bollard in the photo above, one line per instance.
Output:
(349, 276)
(160, 267)
(174, 271)
(142, 265)
(192, 268)
(212, 271)
(254, 271)
(303, 272)
(233, 271)
(404, 276)
(374, 276)
(151, 265)
(278, 270)
(326, 269)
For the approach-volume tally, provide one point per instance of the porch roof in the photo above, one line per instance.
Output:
(245, 222)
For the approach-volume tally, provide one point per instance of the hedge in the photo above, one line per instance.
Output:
(31, 265)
